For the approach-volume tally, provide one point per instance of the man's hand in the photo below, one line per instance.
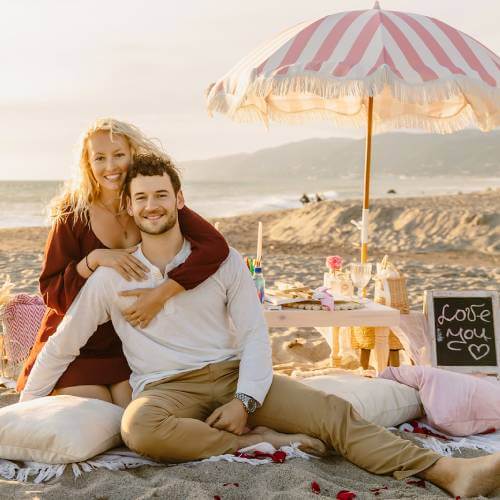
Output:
(231, 417)
(148, 304)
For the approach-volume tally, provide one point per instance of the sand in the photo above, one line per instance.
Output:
(442, 242)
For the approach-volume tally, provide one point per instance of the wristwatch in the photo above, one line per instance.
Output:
(249, 403)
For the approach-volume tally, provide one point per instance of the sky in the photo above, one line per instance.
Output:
(67, 62)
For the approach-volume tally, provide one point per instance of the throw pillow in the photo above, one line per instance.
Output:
(58, 429)
(380, 401)
(455, 403)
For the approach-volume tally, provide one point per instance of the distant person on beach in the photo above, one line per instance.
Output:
(92, 229)
(202, 372)
(304, 199)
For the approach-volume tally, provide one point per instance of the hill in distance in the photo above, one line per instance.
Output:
(467, 153)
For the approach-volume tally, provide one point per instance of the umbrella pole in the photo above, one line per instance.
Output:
(366, 189)
(365, 353)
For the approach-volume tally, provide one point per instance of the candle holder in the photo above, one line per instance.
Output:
(338, 283)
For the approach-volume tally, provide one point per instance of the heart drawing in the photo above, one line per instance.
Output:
(479, 351)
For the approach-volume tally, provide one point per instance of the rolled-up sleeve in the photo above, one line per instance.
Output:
(245, 310)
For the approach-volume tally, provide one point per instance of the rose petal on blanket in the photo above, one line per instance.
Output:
(345, 495)
(278, 457)
(419, 429)
(315, 488)
(377, 491)
(417, 482)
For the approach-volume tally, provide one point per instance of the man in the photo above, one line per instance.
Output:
(202, 368)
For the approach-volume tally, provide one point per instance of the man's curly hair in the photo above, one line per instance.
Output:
(149, 165)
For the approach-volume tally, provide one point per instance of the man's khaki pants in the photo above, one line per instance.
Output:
(166, 422)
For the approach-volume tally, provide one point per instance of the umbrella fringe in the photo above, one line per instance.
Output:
(241, 108)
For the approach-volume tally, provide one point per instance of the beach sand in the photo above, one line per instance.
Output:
(442, 242)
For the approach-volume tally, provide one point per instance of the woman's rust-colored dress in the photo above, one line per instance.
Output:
(101, 360)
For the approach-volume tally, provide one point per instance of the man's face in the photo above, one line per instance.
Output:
(153, 203)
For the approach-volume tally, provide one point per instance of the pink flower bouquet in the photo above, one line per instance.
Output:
(334, 263)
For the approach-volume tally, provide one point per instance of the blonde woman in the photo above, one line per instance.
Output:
(91, 228)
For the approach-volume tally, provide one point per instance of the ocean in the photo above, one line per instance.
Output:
(24, 203)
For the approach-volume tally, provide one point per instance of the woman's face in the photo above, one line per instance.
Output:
(109, 159)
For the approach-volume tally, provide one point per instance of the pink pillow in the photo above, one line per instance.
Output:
(21, 317)
(455, 403)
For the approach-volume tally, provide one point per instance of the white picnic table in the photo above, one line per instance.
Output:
(382, 318)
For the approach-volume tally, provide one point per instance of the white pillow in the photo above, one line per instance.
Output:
(373, 398)
(59, 429)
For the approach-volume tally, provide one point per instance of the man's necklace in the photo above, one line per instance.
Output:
(117, 216)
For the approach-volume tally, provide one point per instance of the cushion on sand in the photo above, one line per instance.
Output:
(380, 401)
(455, 403)
(58, 429)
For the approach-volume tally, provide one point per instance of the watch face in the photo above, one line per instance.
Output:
(252, 405)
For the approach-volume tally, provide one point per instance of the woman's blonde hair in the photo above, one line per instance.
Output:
(78, 194)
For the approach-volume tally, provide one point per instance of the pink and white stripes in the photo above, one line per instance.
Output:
(335, 62)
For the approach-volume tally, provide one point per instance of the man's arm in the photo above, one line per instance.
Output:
(89, 310)
(256, 369)
(256, 366)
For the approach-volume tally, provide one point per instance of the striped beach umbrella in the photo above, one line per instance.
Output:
(376, 68)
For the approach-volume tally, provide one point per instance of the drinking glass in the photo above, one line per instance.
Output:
(360, 276)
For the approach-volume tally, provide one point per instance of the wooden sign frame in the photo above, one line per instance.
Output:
(429, 311)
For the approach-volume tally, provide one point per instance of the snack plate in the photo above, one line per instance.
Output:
(315, 305)
(341, 305)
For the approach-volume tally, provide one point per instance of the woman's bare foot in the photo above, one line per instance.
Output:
(466, 477)
(308, 444)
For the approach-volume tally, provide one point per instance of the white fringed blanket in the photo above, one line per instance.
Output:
(123, 458)
(263, 453)
(490, 443)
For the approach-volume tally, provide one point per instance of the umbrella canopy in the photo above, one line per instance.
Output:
(382, 69)
(423, 73)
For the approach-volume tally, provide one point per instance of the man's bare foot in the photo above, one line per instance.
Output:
(308, 444)
(466, 477)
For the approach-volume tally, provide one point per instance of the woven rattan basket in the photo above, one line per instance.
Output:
(398, 294)
(363, 337)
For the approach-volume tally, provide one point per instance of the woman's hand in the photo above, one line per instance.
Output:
(121, 261)
(149, 302)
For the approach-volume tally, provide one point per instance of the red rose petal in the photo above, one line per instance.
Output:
(345, 495)
(489, 431)
(420, 483)
(315, 488)
(376, 491)
(278, 457)
(216, 497)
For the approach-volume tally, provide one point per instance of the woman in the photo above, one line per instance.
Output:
(91, 228)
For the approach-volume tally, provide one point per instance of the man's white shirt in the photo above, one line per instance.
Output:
(219, 320)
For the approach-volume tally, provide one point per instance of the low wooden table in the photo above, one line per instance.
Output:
(372, 314)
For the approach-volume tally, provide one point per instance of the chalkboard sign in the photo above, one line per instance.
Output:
(465, 332)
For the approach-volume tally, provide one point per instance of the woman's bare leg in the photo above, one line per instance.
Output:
(86, 391)
(121, 393)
